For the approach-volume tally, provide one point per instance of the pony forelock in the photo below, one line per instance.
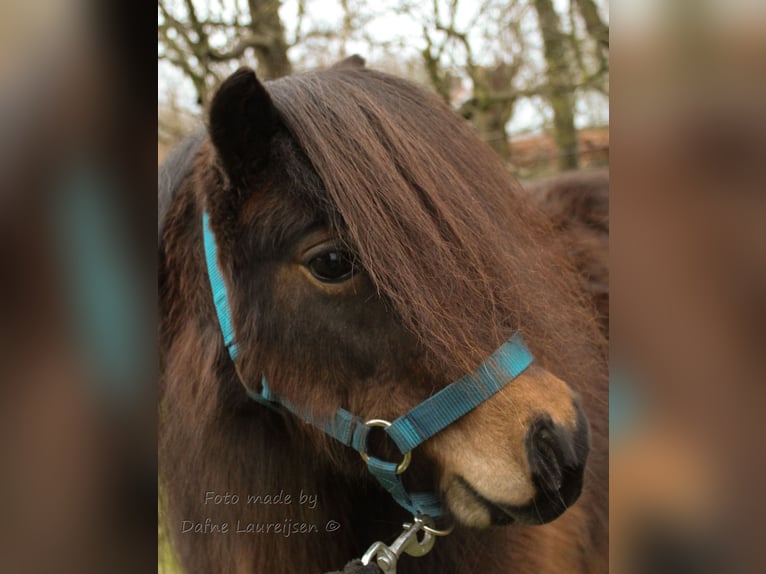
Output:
(443, 230)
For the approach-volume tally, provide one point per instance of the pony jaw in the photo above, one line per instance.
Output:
(471, 508)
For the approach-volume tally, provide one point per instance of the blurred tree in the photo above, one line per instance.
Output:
(490, 105)
(173, 121)
(507, 60)
(267, 39)
(486, 58)
(596, 27)
(590, 45)
(197, 37)
(560, 83)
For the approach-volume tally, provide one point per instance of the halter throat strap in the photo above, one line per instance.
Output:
(409, 430)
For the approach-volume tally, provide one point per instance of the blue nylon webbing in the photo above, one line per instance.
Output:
(343, 426)
(462, 396)
(220, 297)
(416, 502)
(409, 430)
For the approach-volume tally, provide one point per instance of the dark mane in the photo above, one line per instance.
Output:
(176, 167)
(578, 205)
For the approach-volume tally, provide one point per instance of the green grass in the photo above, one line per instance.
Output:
(166, 561)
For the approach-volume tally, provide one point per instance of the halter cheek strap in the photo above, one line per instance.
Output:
(409, 430)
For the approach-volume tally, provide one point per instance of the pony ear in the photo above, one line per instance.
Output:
(243, 121)
(355, 61)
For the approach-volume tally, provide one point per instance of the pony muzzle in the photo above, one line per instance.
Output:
(517, 459)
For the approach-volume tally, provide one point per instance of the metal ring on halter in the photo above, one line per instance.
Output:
(385, 424)
(431, 530)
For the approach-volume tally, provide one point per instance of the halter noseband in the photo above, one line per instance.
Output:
(409, 430)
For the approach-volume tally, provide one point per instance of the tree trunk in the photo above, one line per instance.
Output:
(491, 107)
(490, 122)
(560, 84)
(593, 23)
(272, 59)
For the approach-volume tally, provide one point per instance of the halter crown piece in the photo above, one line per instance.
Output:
(409, 430)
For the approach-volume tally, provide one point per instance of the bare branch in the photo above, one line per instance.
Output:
(463, 39)
(178, 26)
(239, 49)
(439, 80)
(192, 14)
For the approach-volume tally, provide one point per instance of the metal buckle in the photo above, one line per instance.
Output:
(427, 524)
(385, 424)
(386, 557)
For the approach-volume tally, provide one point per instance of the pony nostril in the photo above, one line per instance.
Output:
(549, 452)
(547, 458)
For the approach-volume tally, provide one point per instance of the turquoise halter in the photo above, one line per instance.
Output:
(409, 430)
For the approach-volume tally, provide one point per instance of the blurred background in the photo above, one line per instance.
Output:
(688, 286)
(532, 76)
(77, 288)
(687, 161)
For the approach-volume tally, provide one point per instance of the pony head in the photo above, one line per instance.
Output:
(375, 250)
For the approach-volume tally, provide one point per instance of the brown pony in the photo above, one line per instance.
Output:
(374, 251)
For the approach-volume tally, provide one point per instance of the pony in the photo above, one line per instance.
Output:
(374, 250)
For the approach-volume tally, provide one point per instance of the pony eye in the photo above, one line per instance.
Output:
(332, 266)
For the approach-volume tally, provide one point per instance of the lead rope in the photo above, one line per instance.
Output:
(409, 542)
